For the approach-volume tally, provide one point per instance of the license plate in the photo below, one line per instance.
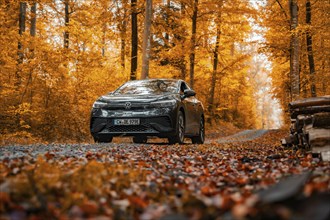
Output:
(132, 121)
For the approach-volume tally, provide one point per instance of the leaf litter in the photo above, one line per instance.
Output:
(255, 179)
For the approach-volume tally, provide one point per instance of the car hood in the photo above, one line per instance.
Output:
(134, 98)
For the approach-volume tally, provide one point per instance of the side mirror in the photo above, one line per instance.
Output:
(188, 93)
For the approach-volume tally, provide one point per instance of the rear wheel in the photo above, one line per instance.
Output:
(140, 140)
(180, 130)
(200, 138)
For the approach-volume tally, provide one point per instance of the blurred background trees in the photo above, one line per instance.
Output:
(311, 31)
(58, 56)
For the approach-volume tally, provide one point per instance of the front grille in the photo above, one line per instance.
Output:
(130, 129)
(145, 125)
(123, 108)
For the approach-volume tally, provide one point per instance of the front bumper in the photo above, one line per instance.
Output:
(153, 122)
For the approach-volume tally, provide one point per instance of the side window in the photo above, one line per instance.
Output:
(183, 87)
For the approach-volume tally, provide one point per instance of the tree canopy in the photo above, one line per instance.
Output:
(57, 57)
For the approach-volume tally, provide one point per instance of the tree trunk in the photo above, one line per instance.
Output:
(20, 54)
(183, 69)
(324, 82)
(294, 52)
(134, 40)
(168, 8)
(33, 21)
(215, 62)
(123, 30)
(123, 45)
(183, 63)
(33, 25)
(193, 43)
(104, 32)
(67, 21)
(146, 40)
(214, 74)
(310, 47)
(21, 30)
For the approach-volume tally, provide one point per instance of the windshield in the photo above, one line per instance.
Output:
(148, 87)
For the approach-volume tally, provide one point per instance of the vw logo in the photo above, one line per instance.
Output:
(128, 105)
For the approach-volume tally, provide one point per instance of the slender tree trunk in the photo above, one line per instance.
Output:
(168, 8)
(214, 74)
(123, 30)
(183, 70)
(104, 30)
(183, 63)
(21, 30)
(146, 40)
(33, 25)
(33, 28)
(294, 52)
(134, 49)
(324, 82)
(193, 43)
(67, 21)
(310, 48)
(123, 45)
(33, 21)
(215, 61)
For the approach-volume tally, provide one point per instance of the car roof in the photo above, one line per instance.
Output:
(156, 79)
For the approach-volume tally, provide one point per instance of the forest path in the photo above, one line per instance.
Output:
(246, 135)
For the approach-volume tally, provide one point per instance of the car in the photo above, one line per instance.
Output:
(164, 108)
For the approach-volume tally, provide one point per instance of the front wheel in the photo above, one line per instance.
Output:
(180, 130)
(200, 138)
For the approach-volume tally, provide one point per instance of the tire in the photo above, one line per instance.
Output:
(200, 138)
(140, 140)
(180, 130)
(102, 140)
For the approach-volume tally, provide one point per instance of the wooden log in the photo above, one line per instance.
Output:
(319, 137)
(309, 110)
(314, 101)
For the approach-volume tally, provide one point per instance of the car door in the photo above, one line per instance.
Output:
(189, 106)
(198, 109)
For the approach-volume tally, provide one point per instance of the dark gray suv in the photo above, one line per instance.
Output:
(164, 108)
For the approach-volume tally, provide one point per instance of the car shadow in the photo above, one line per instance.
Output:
(151, 141)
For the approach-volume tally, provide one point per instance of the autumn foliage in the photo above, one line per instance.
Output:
(312, 32)
(57, 57)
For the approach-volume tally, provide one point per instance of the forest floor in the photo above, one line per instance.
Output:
(234, 175)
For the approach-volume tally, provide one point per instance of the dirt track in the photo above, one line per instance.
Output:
(247, 135)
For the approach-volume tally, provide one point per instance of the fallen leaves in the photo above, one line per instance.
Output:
(125, 181)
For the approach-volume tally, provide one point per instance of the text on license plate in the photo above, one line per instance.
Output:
(131, 121)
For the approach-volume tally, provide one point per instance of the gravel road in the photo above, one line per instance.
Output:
(79, 150)
(247, 135)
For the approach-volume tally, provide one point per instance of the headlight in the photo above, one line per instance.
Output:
(98, 104)
(164, 104)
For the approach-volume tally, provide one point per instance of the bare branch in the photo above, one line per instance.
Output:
(284, 12)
